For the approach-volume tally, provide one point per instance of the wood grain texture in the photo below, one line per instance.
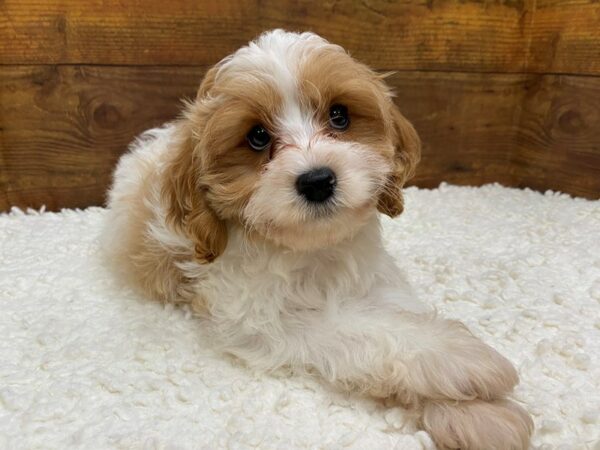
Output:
(63, 128)
(466, 123)
(557, 143)
(412, 34)
(472, 35)
(564, 37)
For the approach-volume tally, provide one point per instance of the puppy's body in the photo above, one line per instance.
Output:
(289, 276)
(254, 284)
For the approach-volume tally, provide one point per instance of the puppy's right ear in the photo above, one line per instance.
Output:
(187, 207)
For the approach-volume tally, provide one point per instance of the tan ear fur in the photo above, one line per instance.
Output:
(407, 155)
(207, 82)
(188, 209)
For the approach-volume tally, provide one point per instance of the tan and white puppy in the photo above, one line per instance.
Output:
(260, 208)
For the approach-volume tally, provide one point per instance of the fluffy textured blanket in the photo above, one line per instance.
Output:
(86, 363)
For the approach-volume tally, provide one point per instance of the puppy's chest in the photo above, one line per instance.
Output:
(245, 285)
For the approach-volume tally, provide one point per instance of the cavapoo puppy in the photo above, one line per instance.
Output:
(259, 206)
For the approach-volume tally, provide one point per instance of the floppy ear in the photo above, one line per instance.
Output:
(407, 154)
(187, 206)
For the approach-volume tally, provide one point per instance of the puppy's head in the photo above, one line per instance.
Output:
(295, 140)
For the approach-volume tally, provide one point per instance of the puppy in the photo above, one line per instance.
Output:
(260, 208)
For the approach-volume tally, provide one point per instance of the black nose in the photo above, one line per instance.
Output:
(317, 185)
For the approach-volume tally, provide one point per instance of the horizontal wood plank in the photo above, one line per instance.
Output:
(473, 35)
(63, 128)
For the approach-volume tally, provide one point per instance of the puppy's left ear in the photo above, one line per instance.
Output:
(407, 154)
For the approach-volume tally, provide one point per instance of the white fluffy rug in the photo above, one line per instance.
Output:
(85, 363)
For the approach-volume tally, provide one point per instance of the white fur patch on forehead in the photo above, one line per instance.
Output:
(274, 53)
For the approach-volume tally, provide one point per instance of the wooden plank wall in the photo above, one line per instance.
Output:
(505, 90)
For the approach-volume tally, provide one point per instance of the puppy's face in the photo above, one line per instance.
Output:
(296, 141)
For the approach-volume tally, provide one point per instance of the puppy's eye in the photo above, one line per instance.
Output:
(338, 117)
(258, 138)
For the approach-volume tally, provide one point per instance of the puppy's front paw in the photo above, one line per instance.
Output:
(478, 425)
(462, 368)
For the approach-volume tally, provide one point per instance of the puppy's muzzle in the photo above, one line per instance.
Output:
(317, 185)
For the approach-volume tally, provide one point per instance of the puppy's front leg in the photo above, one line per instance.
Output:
(457, 382)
